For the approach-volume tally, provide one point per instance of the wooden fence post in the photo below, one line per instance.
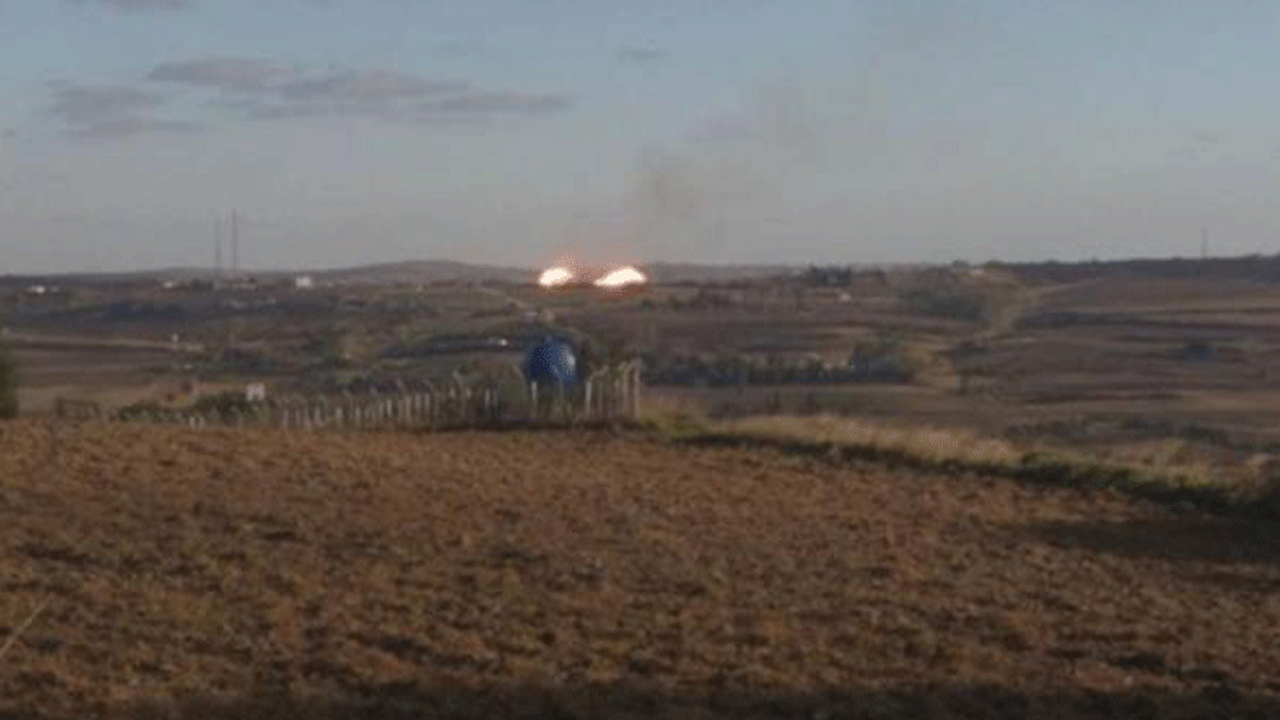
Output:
(635, 390)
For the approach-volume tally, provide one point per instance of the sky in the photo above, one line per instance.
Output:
(507, 132)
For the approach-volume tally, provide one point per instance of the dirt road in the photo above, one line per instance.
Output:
(574, 575)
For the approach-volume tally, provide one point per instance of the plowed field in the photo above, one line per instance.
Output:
(227, 574)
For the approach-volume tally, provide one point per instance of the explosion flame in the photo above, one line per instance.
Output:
(555, 277)
(624, 277)
(621, 278)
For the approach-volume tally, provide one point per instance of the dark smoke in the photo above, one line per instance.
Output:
(686, 201)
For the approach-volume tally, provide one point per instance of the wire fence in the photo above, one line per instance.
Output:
(608, 395)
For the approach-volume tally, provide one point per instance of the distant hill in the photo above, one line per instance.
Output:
(689, 272)
(1257, 268)
(420, 271)
(435, 270)
(412, 272)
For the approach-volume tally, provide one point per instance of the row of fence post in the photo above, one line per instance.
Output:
(608, 395)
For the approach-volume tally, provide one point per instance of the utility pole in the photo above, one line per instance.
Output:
(235, 243)
(1204, 243)
(217, 250)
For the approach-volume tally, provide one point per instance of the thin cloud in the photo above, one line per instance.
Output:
(1205, 137)
(639, 55)
(258, 110)
(298, 111)
(138, 5)
(255, 89)
(256, 76)
(464, 107)
(499, 103)
(80, 104)
(111, 111)
(366, 86)
(261, 90)
(266, 91)
(130, 126)
(226, 73)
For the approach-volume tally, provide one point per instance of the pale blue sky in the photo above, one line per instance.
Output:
(713, 130)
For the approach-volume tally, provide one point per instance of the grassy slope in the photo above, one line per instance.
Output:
(1161, 476)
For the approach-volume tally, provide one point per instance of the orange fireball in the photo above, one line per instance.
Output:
(620, 278)
(564, 277)
(555, 277)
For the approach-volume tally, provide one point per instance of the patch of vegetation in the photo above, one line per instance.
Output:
(676, 426)
(883, 358)
(225, 404)
(246, 360)
(871, 362)
(702, 300)
(949, 303)
(843, 439)
(142, 411)
(601, 348)
(8, 383)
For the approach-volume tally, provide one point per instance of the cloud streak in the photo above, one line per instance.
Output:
(129, 126)
(138, 5)
(79, 104)
(112, 111)
(1205, 137)
(498, 103)
(367, 86)
(225, 73)
(638, 55)
(249, 89)
(260, 90)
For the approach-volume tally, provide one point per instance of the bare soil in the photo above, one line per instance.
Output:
(227, 573)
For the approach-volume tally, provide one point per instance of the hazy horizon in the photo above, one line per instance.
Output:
(504, 133)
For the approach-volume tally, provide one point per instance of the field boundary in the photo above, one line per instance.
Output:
(609, 395)
(1183, 490)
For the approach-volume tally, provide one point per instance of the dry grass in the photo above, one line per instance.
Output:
(931, 444)
(1166, 470)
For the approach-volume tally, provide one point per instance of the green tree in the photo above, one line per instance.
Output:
(8, 383)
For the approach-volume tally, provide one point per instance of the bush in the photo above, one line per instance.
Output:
(947, 303)
(224, 404)
(8, 383)
(144, 410)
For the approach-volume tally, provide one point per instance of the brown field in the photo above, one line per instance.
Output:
(254, 574)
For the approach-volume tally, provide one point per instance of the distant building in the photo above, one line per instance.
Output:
(304, 282)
